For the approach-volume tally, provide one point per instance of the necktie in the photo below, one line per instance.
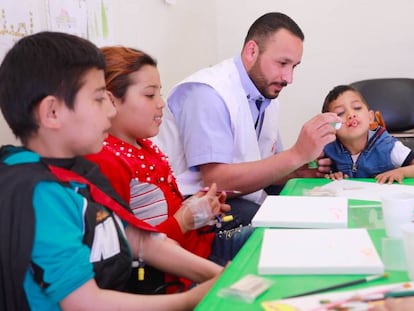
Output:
(258, 105)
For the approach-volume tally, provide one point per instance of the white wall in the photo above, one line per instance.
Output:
(345, 41)
(181, 37)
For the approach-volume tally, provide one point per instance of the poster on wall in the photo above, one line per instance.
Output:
(90, 19)
(16, 21)
(100, 22)
(68, 16)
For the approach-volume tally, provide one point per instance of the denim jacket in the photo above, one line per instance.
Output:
(373, 160)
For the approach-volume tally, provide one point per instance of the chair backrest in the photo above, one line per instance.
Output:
(393, 97)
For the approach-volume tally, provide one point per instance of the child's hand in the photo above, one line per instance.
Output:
(201, 209)
(336, 176)
(390, 176)
(196, 293)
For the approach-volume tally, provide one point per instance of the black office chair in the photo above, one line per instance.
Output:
(394, 99)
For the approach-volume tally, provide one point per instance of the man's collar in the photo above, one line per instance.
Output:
(252, 93)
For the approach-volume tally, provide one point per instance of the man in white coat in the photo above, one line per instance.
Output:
(221, 123)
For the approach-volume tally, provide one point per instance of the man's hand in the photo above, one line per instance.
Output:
(315, 134)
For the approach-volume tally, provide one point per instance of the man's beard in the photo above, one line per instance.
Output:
(258, 79)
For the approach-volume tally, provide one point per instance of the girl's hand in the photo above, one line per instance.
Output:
(201, 209)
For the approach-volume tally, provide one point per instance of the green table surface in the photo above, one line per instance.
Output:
(367, 215)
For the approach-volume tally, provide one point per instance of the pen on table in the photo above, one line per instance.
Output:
(341, 285)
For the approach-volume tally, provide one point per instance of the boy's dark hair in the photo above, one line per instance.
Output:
(267, 24)
(42, 64)
(335, 93)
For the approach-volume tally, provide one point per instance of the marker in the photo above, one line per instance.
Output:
(218, 192)
(337, 125)
(229, 191)
(227, 218)
(313, 164)
(342, 285)
(220, 220)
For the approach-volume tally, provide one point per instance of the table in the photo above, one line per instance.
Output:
(246, 260)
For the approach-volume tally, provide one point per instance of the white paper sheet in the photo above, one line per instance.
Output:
(318, 251)
(302, 212)
(359, 190)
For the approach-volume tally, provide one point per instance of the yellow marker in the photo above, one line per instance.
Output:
(141, 273)
(227, 218)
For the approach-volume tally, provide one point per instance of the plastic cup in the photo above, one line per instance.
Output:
(393, 254)
(408, 242)
(397, 209)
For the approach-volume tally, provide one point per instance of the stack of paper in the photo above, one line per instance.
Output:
(359, 190)
(302, 212)
(321, 251)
